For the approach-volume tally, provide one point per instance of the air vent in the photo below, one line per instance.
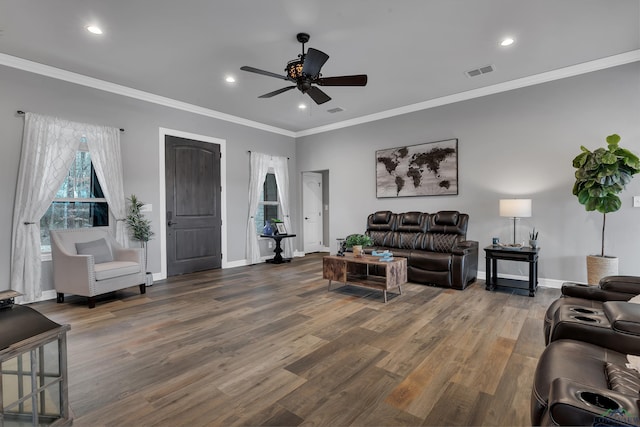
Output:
(335, 110)
(479, 71)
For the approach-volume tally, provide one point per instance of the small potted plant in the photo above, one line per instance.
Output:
(139, 226)
(533, 238)
(357, 242)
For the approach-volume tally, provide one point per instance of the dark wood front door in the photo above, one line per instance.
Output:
(193, 193)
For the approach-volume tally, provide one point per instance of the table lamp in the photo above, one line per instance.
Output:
(515, 208)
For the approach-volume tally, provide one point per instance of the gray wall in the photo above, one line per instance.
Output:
(22, 90)
(513, 144)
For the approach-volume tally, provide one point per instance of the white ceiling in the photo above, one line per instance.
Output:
(412, 50)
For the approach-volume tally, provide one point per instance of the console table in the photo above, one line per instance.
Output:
(277, 259)
(524, 254)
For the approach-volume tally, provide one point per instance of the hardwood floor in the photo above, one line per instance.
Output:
(268, 345)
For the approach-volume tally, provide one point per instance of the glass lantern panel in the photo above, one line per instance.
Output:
(18, 395)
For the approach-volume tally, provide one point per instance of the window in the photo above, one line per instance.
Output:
(78, 203)
(269, 206)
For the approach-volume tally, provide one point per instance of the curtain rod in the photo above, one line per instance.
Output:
(249, 151)
(21, 113)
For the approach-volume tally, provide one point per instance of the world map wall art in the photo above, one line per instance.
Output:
(429, 169)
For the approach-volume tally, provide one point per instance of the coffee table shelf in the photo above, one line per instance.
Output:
(353, 270)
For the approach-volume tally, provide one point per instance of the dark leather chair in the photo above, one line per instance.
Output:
(610, 288)
(616, 326)
(578, 383)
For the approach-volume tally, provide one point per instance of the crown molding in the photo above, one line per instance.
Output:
(80, 79)
(561, 73)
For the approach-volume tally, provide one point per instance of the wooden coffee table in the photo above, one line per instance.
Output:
(352, 270)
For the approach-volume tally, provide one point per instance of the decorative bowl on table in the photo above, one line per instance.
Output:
(511, 246)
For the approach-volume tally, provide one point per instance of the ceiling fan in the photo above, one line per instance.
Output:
(305, 73)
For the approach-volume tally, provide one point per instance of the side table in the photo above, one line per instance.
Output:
(524, 254)
(277, 259)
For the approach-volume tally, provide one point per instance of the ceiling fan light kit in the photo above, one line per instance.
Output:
(305, 73)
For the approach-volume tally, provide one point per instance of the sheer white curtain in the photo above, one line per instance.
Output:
(49, 146)
(281, 171)
(104, 149)
(259, 167)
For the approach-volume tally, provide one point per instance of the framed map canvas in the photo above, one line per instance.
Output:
(418, 170)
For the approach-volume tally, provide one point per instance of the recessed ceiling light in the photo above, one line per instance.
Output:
(507, 42)
(230, 79)
(302, 106)
(94, 29)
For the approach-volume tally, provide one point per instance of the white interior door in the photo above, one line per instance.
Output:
(312, 211)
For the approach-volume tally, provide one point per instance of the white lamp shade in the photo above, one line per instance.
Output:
(515, 208)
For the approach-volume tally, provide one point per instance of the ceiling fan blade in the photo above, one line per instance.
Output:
(313, 61)
(317, 95)
(263, 72)
(356, 80)
(276, 92)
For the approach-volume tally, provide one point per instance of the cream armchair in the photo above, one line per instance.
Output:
(89, 262)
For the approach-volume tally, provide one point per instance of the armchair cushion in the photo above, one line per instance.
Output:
(98, 248)
(109, 270)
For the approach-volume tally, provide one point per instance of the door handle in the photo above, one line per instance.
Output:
(170, 223)
(306, 217)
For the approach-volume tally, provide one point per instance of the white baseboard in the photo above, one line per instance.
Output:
(234, 264)
(545, 283)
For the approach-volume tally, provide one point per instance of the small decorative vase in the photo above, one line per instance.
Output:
(533, 243)
(357, 251)
(267, 230)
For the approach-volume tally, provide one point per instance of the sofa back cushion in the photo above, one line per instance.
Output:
(403, 240)
(380, 238)
(381, 221)
(67, 238)
(449, 222)
(413, 222)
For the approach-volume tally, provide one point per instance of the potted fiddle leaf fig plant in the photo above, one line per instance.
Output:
(357, 242)
(600, 176)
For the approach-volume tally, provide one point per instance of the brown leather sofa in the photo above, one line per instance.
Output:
(435, 245)
(610, 288)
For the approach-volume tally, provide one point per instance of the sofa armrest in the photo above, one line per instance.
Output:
(622, 284)
(595, 293)
(465, 247)
(572, 403)
(73, 273)
(623, 316)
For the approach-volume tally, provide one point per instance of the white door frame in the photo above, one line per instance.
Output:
(163, 198)
(322, 245)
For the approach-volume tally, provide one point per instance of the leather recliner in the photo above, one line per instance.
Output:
(435, 245)
(610, 288)
(578, 383)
